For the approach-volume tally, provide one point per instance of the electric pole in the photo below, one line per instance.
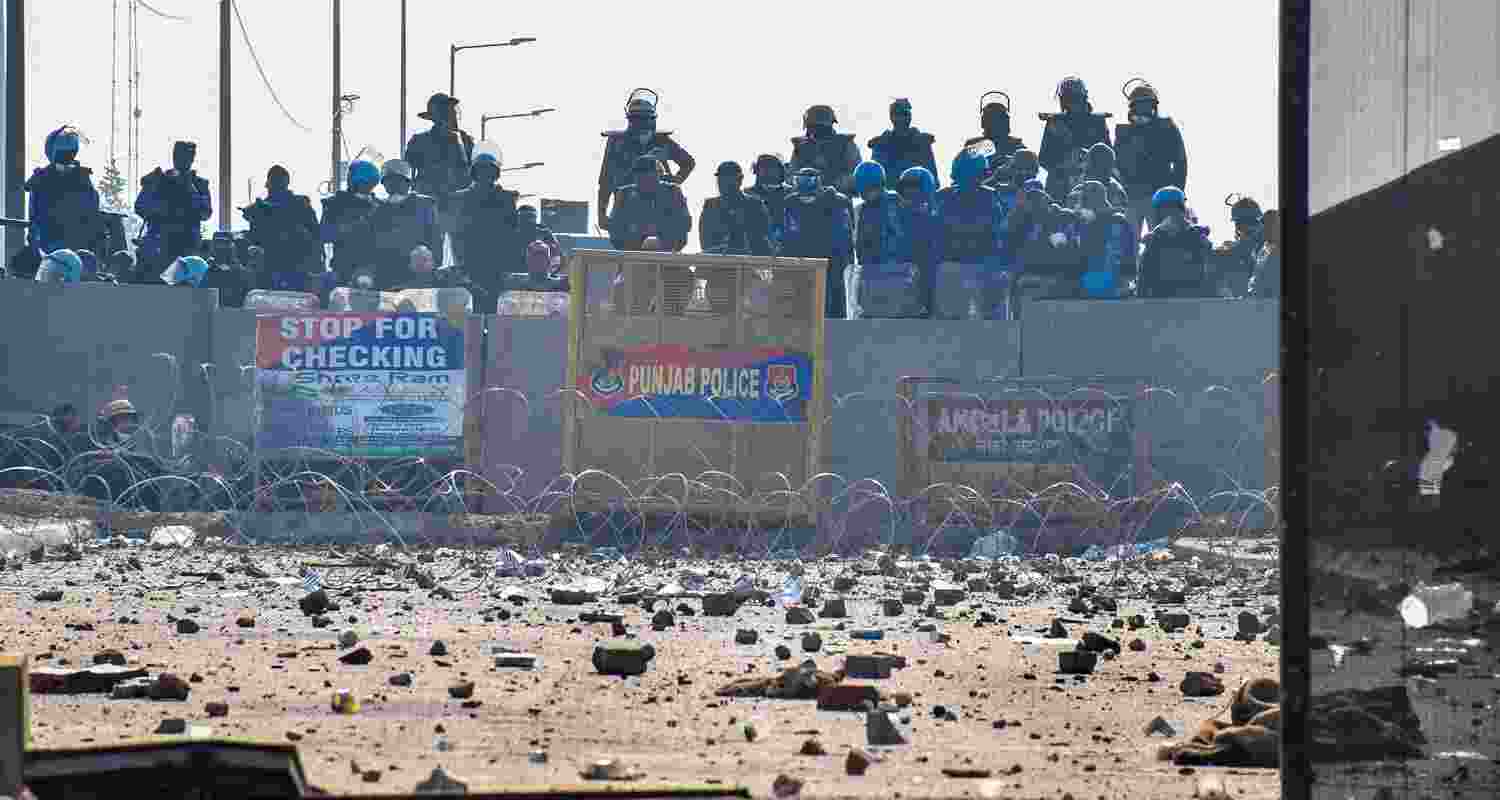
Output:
(401, 143)
(338, 102)
(15, 119)
(226, 170)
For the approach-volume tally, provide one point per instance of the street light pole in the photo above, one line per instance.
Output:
(225, 168)
(485, 120)
(338, 99)
(401, 143)
(453, 57)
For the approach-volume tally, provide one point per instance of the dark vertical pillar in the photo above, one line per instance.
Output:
(15, 121)
(226, 170)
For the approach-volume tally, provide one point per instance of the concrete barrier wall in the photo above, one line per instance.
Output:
(75, 343)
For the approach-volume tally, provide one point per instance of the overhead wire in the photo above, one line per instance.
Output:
(162, 14)
(245, 34)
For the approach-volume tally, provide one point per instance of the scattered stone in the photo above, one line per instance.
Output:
(1058, 630)
(246, 621)
(720, 605)
(358, 657)
(797, 615)
(461, 691)
(1138, 645)
(49, 596)
(600, 617)
(662, 620)
(348, 639)
(1077, 662)
(848, 697)
(573, 597)
(171, 727)
(187, 626)
(868, 666)
(314, 603)
(516, 660)
(168, 686)
(811, 642)
(321, 621)
(1173, 621)
(785, 787)
(881, 731)
(114, 657)
(893, 608)
(1249, 624)
(216, 709)
(1095, 643)
(966, 772)
(623, 657)
(1201, 684)
(913, 596)
(1078, 606)
(401, 679)
(440, 782)
(746, 636)
(370, 776)
(783, 652)
(438, 649)
(834, 608)
(843, 583)
(812, 747)
(856, 762)
(947, 595)
(1160, 727)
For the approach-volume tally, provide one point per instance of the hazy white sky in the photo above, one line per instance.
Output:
(731, 84)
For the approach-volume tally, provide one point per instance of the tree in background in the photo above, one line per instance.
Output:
(112, 187)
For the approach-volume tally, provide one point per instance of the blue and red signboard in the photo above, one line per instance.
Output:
(675, 382)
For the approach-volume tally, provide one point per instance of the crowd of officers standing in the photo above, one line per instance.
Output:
(1064, 220)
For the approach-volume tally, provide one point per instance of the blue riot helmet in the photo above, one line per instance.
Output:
(185, 270)
(807, 180)
(916, 184)
(363, 176)
(1168, 199)
(1142, 99)
(901, 114)
(968, 167)
(60, 266)
(869, 175)
(1024, 166)
(62, 145)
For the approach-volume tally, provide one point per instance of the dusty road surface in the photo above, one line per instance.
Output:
(987, 699)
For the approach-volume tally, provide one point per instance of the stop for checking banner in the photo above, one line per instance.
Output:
(360, 383)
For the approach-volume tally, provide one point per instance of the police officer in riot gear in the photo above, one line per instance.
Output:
(640, 137)
(651, 213)
(994, 121)
(1234, 262)
(1149, 150)
(833, 154)
(902, 146)
(1068, 136)
(734, 222)
(771, 188)
(819, 225)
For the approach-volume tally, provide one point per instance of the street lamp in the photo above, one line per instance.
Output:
(527, 165)
(484, 120)
(453, 55)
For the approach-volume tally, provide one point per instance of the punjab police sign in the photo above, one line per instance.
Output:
(360, 383)
(674, 381)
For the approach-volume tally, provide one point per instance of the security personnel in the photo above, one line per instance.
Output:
(651, 214)
(439, 157)
(902, 146)
(1100, 166)
(623, 148)
(174, 204)
(918, 190)
(771, 188)
(994, 121)
(818, 225)
(1149, 149)
(64, 204)
(346, 222)
(404, 223)
(1234, 262)
(734, 222)
(285, 225)
(1106, 245)
(834, 155)
(885, 282)
(485, 227)
(972, 281)
(1068, 136)
(1174, 262)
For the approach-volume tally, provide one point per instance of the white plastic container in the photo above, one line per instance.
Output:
(1430, 605)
